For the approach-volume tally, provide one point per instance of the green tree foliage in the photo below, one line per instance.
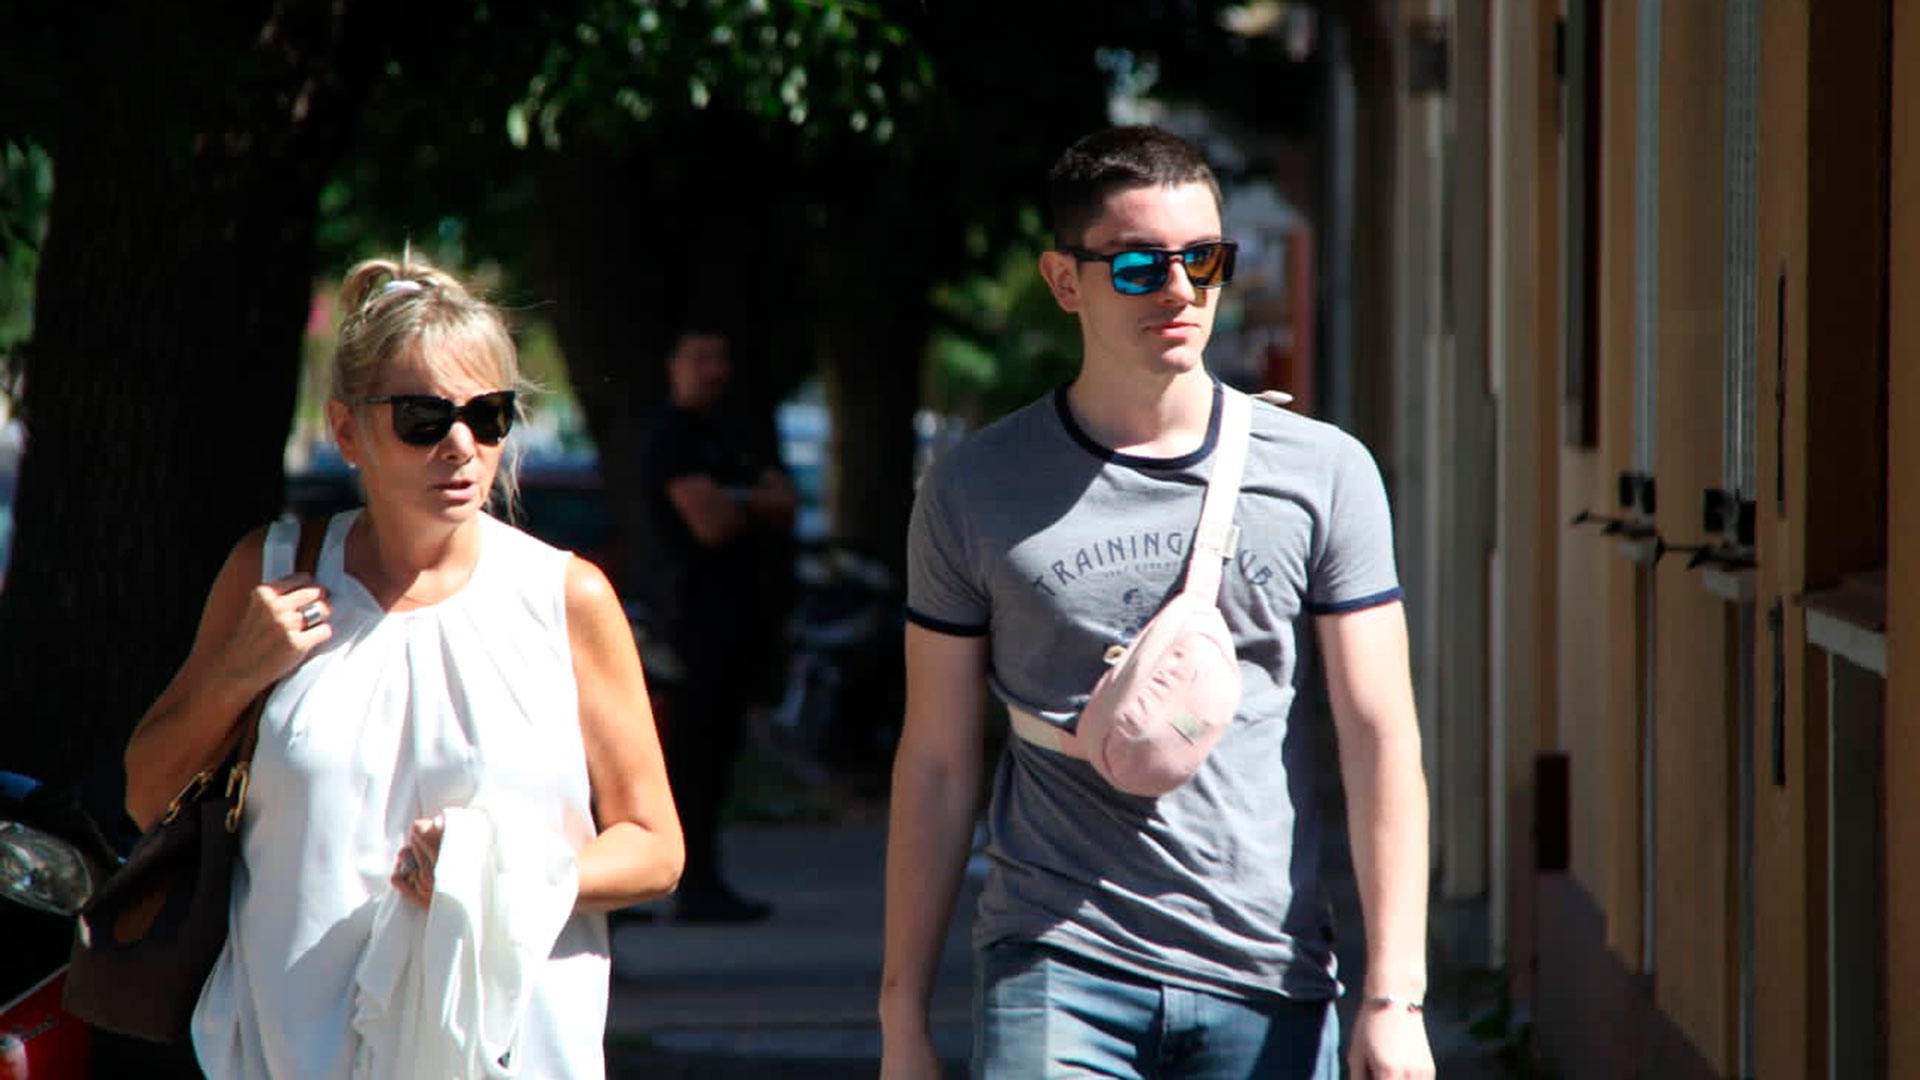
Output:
(808, 170)
(431, 164)
(26, 186)
(1002, 341)
(818, 65)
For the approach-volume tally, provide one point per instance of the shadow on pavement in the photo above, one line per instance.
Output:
(795, 996)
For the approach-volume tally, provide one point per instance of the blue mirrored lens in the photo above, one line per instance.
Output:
(1139, 272)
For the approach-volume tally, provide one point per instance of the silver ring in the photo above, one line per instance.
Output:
(312, 615)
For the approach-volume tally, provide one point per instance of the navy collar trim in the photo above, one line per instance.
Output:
(1137, 461)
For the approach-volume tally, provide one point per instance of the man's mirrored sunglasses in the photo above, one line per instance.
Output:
(425, 419)
(1140, 271)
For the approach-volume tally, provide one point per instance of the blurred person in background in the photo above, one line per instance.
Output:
(446, 677)
(723, 506)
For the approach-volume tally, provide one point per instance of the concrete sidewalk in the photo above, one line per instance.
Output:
(795, 997)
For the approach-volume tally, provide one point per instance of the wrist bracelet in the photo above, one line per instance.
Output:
(1388, 1001)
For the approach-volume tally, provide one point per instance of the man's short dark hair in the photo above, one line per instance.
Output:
(698, 327)
(1118, 159)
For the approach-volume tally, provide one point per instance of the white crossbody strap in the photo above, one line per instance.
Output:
(1214, 542)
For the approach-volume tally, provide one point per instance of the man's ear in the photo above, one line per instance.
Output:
(1062, 275)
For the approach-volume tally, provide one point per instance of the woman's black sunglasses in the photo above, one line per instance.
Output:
(424, 419)
(1140, 271)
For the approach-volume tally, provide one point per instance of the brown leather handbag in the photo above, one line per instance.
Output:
(149, 935)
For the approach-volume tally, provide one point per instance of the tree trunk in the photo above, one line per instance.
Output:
(875, 316)
(870, 370)
(872, 275)
(169, 307)
(687, 226)
(605, 307)
(171, 299)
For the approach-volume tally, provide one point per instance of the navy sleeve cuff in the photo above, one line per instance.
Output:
(1361, 603)
(941, 626)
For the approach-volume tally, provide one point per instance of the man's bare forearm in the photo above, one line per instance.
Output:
(1387, 819)
(929, 834)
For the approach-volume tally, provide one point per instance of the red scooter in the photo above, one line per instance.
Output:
(50, 857)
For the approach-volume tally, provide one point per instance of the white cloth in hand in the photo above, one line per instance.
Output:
(441, 993)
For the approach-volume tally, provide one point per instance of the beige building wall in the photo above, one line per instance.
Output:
(1578, 612)
(1418, 206)
(1525, 345)
(1616, 769)
(1790, 967)
(1580, 560)
(1694, 739)
(1441, 447)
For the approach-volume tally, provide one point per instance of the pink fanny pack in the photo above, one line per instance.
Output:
(1168, 695)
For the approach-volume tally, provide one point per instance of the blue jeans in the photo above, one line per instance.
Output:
(1041, 1013)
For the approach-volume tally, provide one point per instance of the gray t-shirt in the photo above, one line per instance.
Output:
(1056, 548)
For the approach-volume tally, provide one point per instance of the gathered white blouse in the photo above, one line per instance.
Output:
(400, 716)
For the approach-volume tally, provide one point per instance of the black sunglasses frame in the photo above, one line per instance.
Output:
(1161, 264)
(426, 419)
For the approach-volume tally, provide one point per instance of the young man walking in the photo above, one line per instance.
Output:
(1123, 934)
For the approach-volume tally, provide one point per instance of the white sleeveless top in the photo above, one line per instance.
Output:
(398, 716)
